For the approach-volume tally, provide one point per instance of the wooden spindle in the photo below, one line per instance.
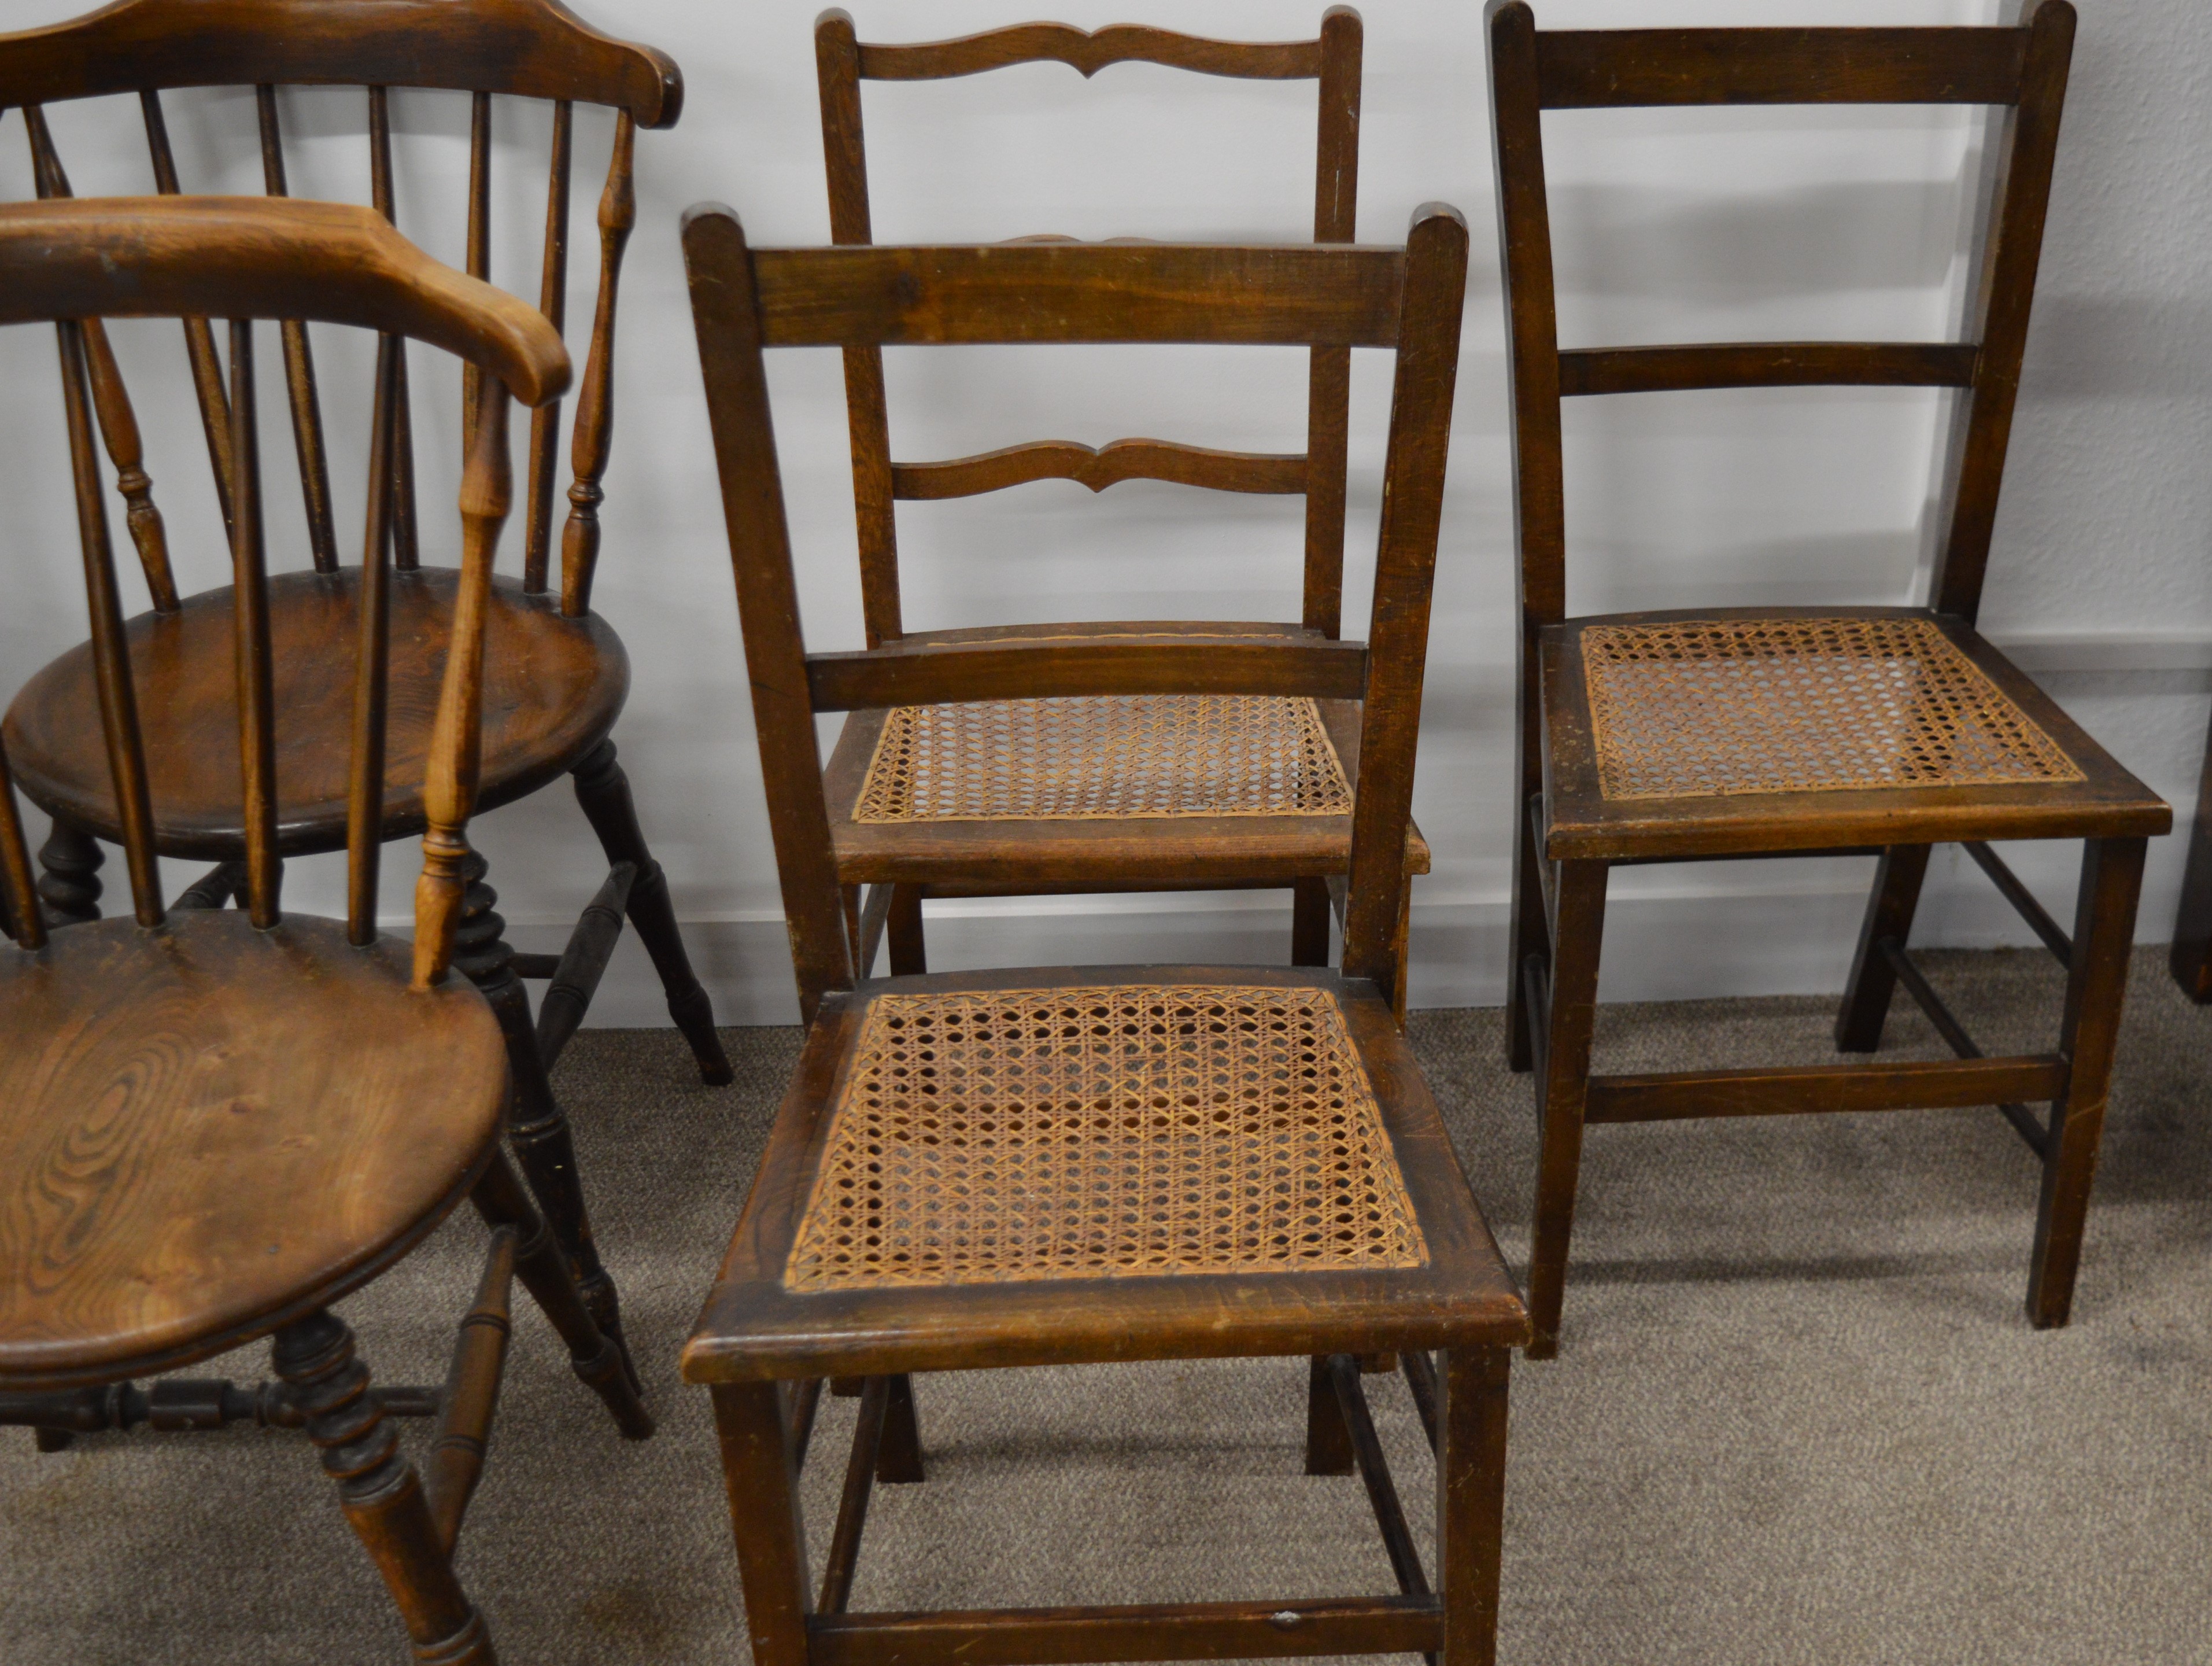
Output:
(449, 789)
(553, 301)
(119, 423)
(595, 416)
(479, 248)
(406, 544)
(199, 335)
(111, 657)
(299, 369)
(19, 893)
(364, 798)
(257, 703)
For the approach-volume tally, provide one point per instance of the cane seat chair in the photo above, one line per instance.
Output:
(1012, 1167)
(1132, 793)
(215, 1125)
(1735, 731)
(556, 673)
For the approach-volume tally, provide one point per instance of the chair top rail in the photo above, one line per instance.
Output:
(907, 673)
(860, 295)
(1086, 51)
(265, 258)
(529, 48)
(1610, 69)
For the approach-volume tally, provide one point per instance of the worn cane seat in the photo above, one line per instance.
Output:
(1772, 728)
(1138, 791)
(553, 687)
(208, 1130)
(1227, 1158)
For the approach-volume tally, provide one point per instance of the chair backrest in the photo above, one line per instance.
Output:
(523, 48)
(2022, 69)
(746, 300)
(243, 259)
(843, 62)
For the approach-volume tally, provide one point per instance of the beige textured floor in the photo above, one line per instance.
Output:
(1798, 1416)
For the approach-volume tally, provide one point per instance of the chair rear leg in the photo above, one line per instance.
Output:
(1329, 1438)
(902, 933)
(603, 790)
(378, 1490)
(2096, 988)
(1888, 914)
(2190, 960)
(1562, 1088)
(68, 878)
(1310, 912)
(1526, 936)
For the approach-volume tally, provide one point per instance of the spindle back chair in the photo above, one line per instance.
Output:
(557, 675)
(885, 1234)
(930, 853)
(1750, 732)
(331, 1094)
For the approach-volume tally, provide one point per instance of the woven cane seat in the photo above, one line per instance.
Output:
(1811, 729)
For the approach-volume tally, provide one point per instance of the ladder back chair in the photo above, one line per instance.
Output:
(556, 674)
(1012, 1167)
(1116, 794)
(1740, 732)
(215, 1125)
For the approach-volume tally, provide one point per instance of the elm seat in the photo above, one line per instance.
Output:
(553, 688)
(207, 1131)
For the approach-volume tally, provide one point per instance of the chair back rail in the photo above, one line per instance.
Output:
(843, 62)
(523, 48)
(244, 258)
(2022, 69)
(745, 300)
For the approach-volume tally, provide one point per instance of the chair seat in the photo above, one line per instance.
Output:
(1132, 792)
(553, 687)
(1712, 731)
(207, 1131)
(1196, 1161)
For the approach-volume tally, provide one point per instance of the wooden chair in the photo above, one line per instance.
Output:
(215, 1125)
(1684, 735)
(1015, 1168)
(1121, 794)
(557, 674)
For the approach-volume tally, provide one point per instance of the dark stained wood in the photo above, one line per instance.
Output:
(1329, 398)
(456, 1459)
(1779, 1092)
(1179, 1631)
(372, 667)
(1890, 906)
(1088, 51)
(256, 703)
(300, 368)
(1611, 68)
(19, 914)
(1375, 1474)
(398, 412)
(478, 258)
(1099, 467)
(1590, 370)
(582, 964)
(762, 1472)
(1471, 1501)
(553, 301)
(853, 1504)
(199, 335)
(595, 417)
(1185, 663)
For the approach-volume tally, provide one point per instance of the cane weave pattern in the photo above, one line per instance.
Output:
(1097, 756)
(1699, 708)
(1131, 1131)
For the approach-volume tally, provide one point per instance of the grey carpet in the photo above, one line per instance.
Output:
(1798, 1416)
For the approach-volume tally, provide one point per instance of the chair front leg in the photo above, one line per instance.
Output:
(2096, 988)
(1563, 1087)
(1471, 1501)
(1889, 913)
(68, 878)
(762, 1476)
(378, 1488)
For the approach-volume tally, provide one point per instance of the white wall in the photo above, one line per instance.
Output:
(1670, 225)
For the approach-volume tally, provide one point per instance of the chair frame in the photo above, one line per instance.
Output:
(764, 1350)
(1566, 836)
(525, 48)
(162, 257)
(892, 909)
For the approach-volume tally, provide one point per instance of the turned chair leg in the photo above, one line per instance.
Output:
(603, 790)
(538, 1131)
(378, 1490)
(1527, 937)
(1888, 918)
(68, 880)
(1471, 1501)
(2096, 986)
(1562, 1091)
(598, 1361)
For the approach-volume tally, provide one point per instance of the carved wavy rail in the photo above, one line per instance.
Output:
(1107, 465)
(1089, 51)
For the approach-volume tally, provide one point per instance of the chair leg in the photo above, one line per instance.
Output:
(1526, 936)
(1563, 1090)
(378, 1490)
(69, 881)
(603, 790)
(2190, 960)
(1329, 1438)
(538, 1131)
(898, 1455)
(761, 1475)
(902, 932)
(1888, 914)
(2096, 986)
(1471, 1501)
(598, 1360)
(1309, 922)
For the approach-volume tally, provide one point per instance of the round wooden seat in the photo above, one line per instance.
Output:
(208, 1130)
(553, 687)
